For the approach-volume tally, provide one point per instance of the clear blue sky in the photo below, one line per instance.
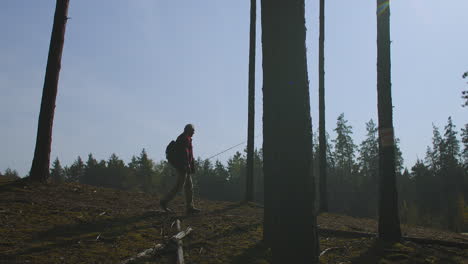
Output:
(135, 72)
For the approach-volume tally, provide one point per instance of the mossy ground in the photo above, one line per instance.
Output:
(73, 223)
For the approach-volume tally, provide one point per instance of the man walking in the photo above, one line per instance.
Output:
(184, 165)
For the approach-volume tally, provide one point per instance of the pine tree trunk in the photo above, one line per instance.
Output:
(40, 164)
(290, 227)
(322, 139)
(251, 125)
(389, 223)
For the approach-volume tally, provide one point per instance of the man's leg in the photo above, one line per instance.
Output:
(188, 191)
(189, 195)
(172, 193)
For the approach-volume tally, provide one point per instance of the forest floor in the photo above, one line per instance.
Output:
(73, 223)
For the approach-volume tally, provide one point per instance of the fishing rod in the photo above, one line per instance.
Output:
(243, 142)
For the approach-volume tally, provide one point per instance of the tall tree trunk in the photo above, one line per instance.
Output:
(322, 139)
(389, 222)
(40, 164)
(290, 227)
(251, 125)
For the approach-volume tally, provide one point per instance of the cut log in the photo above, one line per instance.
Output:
(175, 243)
(182, 234)
(145, 253)
(353, 234)
(329, 249)
(437, 242)
(178, 239)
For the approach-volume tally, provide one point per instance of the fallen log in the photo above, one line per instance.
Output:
(437, 242)
(145, 253)
(354, 234)
(329, 249)
(174, 244)
(178, 240)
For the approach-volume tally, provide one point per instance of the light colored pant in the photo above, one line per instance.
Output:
(184, 179)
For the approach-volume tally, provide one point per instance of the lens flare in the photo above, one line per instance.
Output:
(383, 7)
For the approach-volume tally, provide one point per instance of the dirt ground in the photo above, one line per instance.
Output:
(73, 223)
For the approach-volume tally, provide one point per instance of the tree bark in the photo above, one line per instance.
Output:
(41, 160)
(389, 222)
(251, 124)
(322, 139)
(290, 227)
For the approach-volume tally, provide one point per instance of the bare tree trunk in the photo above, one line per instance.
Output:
(251, 124)
(389, 222)
(322, 139)
(40, 164)
(290, 226)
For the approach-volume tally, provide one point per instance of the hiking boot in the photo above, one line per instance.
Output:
(163, 205)
(193, 210)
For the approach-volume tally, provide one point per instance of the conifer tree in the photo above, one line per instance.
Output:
(91, 173)
(433, 154)
(452, 177)
(322, 141)
(11, 174)
(249, 190)
(389, 223)
(76, 171)
(57, 174)
(290, 226)
(41, 160)
(344, 145)
(369, 152)
(369, 168)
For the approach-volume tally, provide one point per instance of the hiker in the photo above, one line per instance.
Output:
(184, 166)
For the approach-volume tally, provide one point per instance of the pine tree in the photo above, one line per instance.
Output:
(290, 226)
(76, 171)
(117, 173)
(369, 152)
(344, 145)
(57, 174)
(344, 155)
(452, 176)
(368, 161)
(389, 223)
(399, 161)
(433, 158)
(424, 189)
(322, 141)
(41, 160)
(11, 174)
(450, 150)
(249, 190)
(144, 171)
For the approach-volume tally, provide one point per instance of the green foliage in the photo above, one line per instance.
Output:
(344, 146)
(444, 174)
(11, 174)
(144, 172)
(76, 171)
(369, 152)
(433, 154)
(352, 176)
(57, 173)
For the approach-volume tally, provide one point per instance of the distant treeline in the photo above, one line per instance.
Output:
(432, 192)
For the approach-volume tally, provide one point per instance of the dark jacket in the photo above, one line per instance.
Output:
(185, 150)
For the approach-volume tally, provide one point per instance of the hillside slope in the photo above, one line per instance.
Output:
(73, 223)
